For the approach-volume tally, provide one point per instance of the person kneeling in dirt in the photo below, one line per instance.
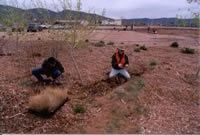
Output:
(155, 31)
(52, 68)
(119, 62)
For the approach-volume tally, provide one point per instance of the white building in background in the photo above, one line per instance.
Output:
(118, 22)
(104, 22)
(71, 22)
(84, 22)
(108, 22)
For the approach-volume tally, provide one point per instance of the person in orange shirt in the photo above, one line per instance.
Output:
(119, 62)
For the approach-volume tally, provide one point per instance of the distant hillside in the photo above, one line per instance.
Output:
(9, 15)
(9, 12)
(42, 15)
(162, 22)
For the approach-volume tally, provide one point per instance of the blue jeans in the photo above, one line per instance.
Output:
(38, 72)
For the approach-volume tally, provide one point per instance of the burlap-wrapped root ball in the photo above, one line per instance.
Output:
(48, 100)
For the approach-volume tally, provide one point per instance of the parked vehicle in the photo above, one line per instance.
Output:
(34, 27)
(45, 26)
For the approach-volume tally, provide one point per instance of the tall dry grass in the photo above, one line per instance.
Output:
(48, 100)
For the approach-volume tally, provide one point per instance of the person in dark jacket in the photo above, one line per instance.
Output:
(51, 67)
(119, 62)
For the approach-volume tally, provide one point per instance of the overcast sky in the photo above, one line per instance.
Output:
(118, 8)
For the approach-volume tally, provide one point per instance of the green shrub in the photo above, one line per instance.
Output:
(128, 87)
(113, 125)
(120, 94)
(143, 48)
(174, 44)
(188, 50)
(138, 110)
(137, 50)
(79, 108)
(25, 83)
(139, 85)
(110, 43)
(100, 43)
(153, 63)
(141, 110)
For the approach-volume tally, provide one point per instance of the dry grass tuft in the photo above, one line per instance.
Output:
(48, 100)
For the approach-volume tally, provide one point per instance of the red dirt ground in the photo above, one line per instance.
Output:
(160, 99)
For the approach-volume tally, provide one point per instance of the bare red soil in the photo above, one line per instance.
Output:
(158, 99)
